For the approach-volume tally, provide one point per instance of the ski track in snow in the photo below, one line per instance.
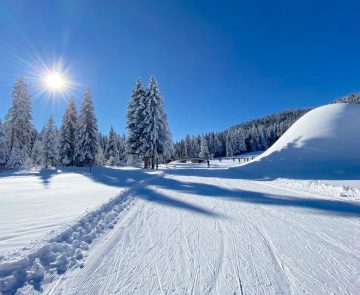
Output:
(182, 239)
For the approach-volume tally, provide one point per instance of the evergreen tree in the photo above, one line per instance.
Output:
(135, 120)
(3, 146)
(229, 145)
(19, 125)
(217, 145)
(196, 146)
(86, 138)
(112, 152)
(187, 147)
(121, 145)
(99, 157)
(67, 134)
(157, 141)
(254, 138)
(263, 140)
(37, 153)
(50, 144)
(240, 142)
(204, 150)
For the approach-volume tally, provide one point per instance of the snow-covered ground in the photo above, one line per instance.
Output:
(34, 203)
(200, 231)
(228, 229)
(224, 162)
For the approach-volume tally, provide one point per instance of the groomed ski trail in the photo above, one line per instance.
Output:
(212, 235)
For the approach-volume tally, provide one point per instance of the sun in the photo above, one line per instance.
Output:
(55, 81)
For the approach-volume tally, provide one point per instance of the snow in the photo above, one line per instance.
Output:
(233, 228)
(323, 144)
(33, 203)
(196, 231)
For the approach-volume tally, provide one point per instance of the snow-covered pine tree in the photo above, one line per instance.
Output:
(112, 152)
(254, 138)
(239, 139)
(99, 157)
(121, 145)
(19, 127)
(217, 145)
(188, 147)
(263, 140)
(37, 152)
(229, 145)
(196, 146)
(50, 144)
(210, 141)
(135, 120)
(86, 138)
(67, 134)
(3, 146)
(157, 141)
(103, 139)
(204, 150)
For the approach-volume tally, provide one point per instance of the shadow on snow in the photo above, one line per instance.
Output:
(123, 178)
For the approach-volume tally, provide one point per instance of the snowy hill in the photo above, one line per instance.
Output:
(324, 143)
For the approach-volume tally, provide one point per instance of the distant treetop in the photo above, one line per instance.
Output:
(352, 98)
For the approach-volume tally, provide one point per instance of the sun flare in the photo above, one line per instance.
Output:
(55, 81)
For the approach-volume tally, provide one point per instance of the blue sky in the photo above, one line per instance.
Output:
(218, 63)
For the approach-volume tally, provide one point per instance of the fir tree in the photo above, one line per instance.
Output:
(99, 157)
(121, 145)
(229, 145)
(67, 134)
(3, 146)
(263, 140)
(86, 139)
(37, 153)
(19, 125)
(204, 150)
(112, 152)
(157, 141)
(240, 142)
(135, 120)
(50, 144)
(188, 146)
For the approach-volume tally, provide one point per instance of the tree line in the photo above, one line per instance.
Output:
(254, 135)
(78, 142)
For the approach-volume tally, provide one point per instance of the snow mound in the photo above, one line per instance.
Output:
(324, 143)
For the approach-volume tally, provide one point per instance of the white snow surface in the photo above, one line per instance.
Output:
(205, 231)
(190, 229)
(323, 144)
(34, 203)
(201, 231)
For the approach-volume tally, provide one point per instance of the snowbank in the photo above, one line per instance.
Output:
(323, 144)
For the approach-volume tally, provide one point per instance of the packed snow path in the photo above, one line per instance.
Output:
(199, 231)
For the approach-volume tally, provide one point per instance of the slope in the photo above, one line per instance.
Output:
(323, 144)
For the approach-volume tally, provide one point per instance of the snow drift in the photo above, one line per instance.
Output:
(324, 143)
